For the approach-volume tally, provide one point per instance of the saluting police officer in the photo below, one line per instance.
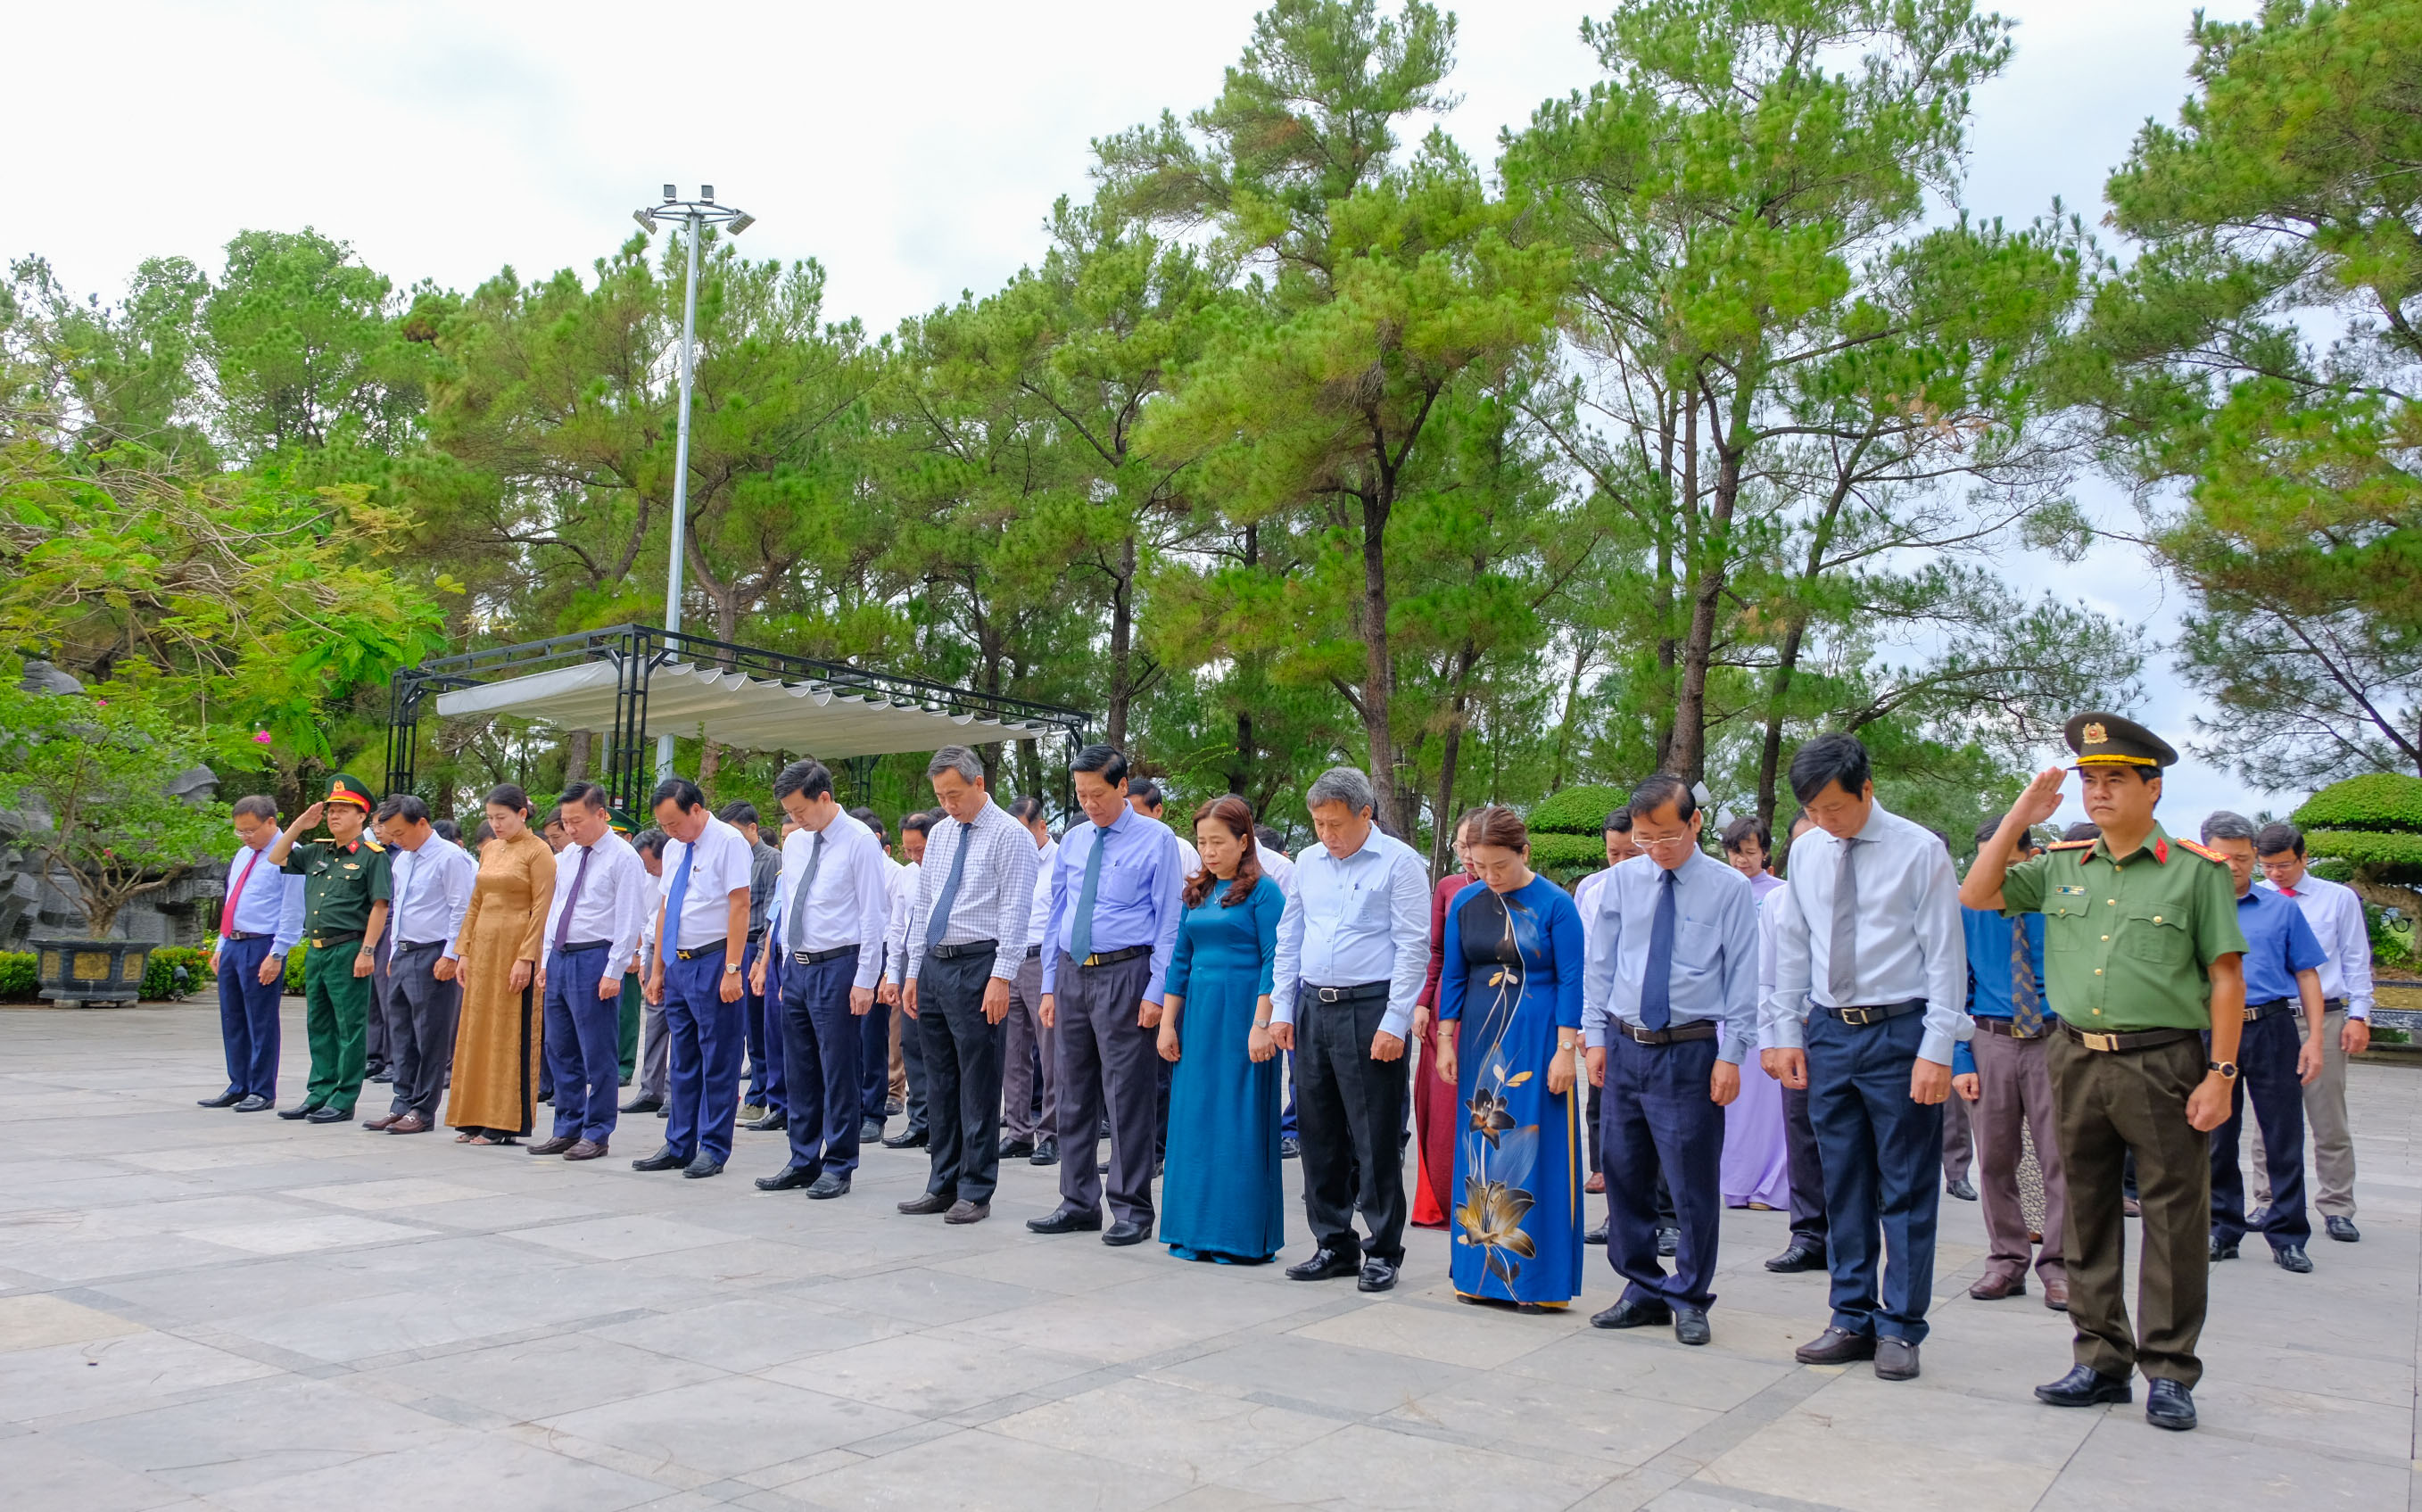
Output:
(2143, 957)
(345, 889)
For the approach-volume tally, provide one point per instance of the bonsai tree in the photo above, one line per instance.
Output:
(85, 782)
(1568, 830)
(2372, 826)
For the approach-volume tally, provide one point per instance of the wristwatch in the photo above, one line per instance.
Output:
(731, 970)
(2227, 1069)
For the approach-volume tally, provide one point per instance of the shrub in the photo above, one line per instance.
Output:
(294, 970)
(159, 972)
(19, 977)
(2376, 802)
(1578, 811)
(2375, 857)
(1565, 857)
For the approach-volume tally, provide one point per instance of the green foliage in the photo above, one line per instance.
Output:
(1578, 811)
(2390, 947)
(293, 986)
(159, 972)
(20, 976)
(2382, 801)
(1567, 856)
(2385, 857)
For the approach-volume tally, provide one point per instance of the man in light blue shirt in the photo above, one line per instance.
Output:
(1672, 982)
(258, 923)
(1118, 887)
(431, 885)
(1353, 952)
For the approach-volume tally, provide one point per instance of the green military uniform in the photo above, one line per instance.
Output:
(627, 1030)
(340, 884)
(2128, 943)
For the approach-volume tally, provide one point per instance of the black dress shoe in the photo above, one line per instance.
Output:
(667, 1159)
(226, 1099)
(1046, 1153)
(908, 1138)
(1378, 1275)
(786, 1178)
(1124, 1233)
(2084, 1386)
(556, 1145)
(1963, 1188)
(1326, 1265)
(1796, 1258)
(2224, 1249)
(870, 1131)
(832, 1184)
(1065, 1220)
(702, 1168)
(1896, 1359)
(925, 1205)
(254, 1104)
(1598, 1235)
(1668, 1240)
(298, 1111)
(331, 1114)
(1289, 1147)
(2169, 1405)
(384, 1079)
(1690, 1325)
(1633, 1313)
(772, 1122)
(643, 1104)
(1012, 1149)
(1836, 1346)
(964, 1211)
(893, 1107)
(2292, 1258)
(2342, 1230)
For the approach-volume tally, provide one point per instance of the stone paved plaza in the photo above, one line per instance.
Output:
(205, 1310)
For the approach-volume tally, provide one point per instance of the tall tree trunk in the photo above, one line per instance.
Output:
(1572, 706)
(1378, 668)
(1450, 749)
(1122, 642)
(709, 760)
(1240, 773)
(575, 755)
(1688, 758)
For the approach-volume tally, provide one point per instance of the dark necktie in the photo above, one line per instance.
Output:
(940, 924)
(1842, 963)
(579, 875)
(1081, 934)
(1656, 986)
(797, 935)
(670, 946)
(2026, 997)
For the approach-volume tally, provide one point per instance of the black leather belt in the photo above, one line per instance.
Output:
(1860, 1015)
(820, 958)
(240, 935)
(973, 947)
(1114, 957)
(1034, 953)
(1671, 1035)
(439, 945)
(322, 942)
(577, 946)
(712, 947)
(2007, 1029)
(1361, 993)
(757, 934)
(2141, 1040)
(2272, 1008)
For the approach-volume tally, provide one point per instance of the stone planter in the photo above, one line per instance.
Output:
(90, 971)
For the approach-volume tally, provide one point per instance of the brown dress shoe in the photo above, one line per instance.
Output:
(554, 1146)
(1992, 1289)
(967, 1212)
(585, 1150)
(2055, 1294)
(409, 1124)
(926, 1203)
(385, 1121)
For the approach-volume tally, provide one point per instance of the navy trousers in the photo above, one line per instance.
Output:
(1883, 1172)
(874, 1062)
(821, 1051)
(2266, 1061)
(762, 1019)
(249, 1016)
(583, 1041)
(1658, 1118)
(705, 1032)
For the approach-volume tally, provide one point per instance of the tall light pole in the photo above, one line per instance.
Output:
(695, 217)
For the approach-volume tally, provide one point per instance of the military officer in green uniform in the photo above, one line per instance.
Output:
(345, 882)
(627, 1030)
(2142, 959)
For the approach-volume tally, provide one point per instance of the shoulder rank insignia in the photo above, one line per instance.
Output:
(2202, 850)
(373, 845)
(2070, 844)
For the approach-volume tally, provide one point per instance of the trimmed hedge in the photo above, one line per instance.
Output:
(2390, 857)
(1565, 856)
(1577, 811)
(2376, 802)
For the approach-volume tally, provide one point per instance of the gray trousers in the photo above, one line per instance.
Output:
(1959, 1140)
(1026, 1033)
(421, 1015)
(2325, 1122)
(2015, 1087)
(655, 1052)
(1106, 1056)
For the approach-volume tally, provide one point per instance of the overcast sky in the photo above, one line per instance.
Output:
(915, 149)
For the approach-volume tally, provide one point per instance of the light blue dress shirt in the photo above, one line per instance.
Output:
(1351, 922)
(272, 903)
(1714, 966)
(1140, 898)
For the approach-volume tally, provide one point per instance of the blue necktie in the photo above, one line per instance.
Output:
(939, 924)
(1657, 987)
(673, 900)
(1081, 934)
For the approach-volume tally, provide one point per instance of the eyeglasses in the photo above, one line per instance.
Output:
(1654, 841)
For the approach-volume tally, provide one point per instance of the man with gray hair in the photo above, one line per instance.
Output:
(974, 896)
(2283, 960)
(1353, 950)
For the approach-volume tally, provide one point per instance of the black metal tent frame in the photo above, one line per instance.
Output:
(635, 650)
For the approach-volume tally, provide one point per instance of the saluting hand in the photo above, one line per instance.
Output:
(2040, 800)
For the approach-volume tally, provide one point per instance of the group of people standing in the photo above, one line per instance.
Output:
(1017, 993)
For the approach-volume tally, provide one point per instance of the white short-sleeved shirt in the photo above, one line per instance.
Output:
(725, 862)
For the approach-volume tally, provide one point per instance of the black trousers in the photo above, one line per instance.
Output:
(1807, 1170)
(2266, 1058)
(963, 1066)
(1350, 1114)
(420, 1028)
(1106, 1056)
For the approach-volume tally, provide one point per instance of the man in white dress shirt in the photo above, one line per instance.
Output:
(1353, 951)
(825, 926)
(432, 887)
(2336, 917)
(908, 1042)
(260, 921)
(1030, 1081)
(695, 971)
(593, 922)
(1870, 994)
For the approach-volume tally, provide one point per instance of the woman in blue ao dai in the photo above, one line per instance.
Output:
(1509, 1037)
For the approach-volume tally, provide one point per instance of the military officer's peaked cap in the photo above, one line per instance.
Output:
(618, 820)
(346, 788)
(2108, 740)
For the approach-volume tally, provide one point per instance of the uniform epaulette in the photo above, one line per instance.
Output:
(2070, 844)
(2202, 850)
(373, 845)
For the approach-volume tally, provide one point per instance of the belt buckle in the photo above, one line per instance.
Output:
(2251, 1013)
(1856, 1017)
(2106, 1043)
(1094, 958)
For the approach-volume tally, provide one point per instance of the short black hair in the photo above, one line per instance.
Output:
(870, 819)
(1109, 763)
(2082, 829)
(2279, 837)
(505, 795)
(404, 806)
(1025, 808)
(553, 820)
(1145, 791)
(739, 812)
(1745, 830)
(808, 779)
(255, 806)
(448, 830)
(1654, 791)
(1619, 822)
(649, 843)
(586, 794)
(1268, 836)
(1827, 759)
(915, 824)
(1994, 827)
(684, 793)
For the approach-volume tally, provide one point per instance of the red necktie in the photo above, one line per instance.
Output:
(227, 917)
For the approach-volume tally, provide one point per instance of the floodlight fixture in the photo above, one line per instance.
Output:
(706, 193)
(741, 222)
(671, 193)
(646, 222)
